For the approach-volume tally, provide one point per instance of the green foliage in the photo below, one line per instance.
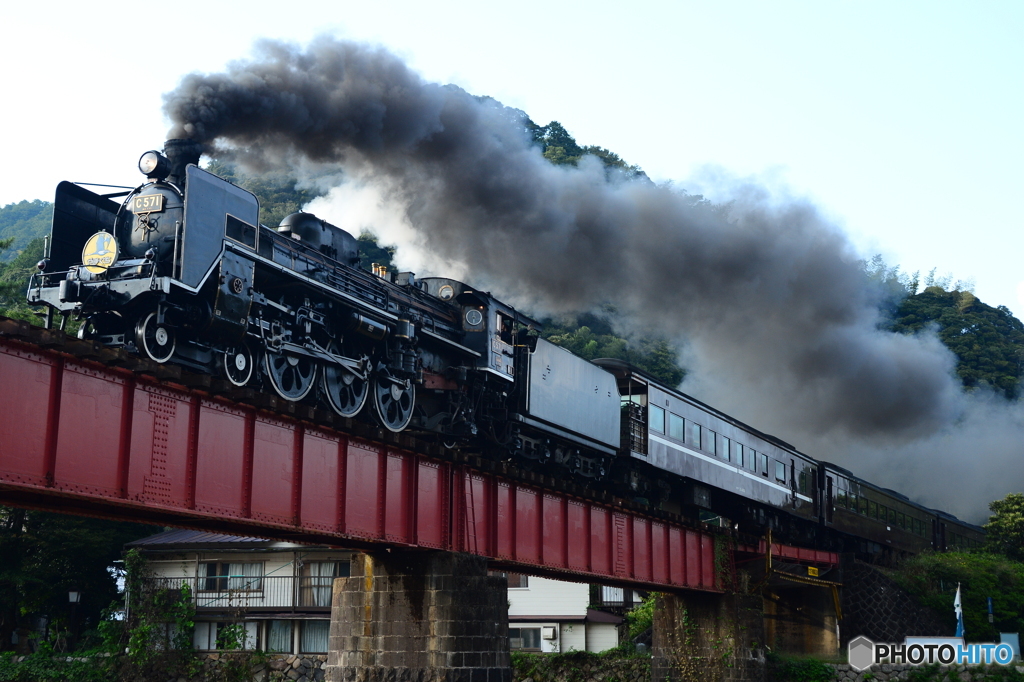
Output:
(1005, 528)
(561, 149)
(988, 342)
(931, 579)
(280, 194)
(48, 664)
(591, 337)
(576, 666)
(14, 277)
(641, 617)
(991, 673)
(45, 554)
(371, 252)
(21, 223)
(790, 669)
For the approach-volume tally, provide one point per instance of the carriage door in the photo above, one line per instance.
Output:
(828, 499)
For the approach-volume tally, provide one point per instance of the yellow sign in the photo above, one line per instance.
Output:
(100, 252)
(811, 570)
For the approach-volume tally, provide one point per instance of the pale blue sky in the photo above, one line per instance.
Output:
(901, 121)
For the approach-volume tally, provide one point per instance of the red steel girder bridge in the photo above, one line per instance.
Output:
(90, 430)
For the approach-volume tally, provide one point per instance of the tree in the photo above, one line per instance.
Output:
(988, 342)
(45, 555)
(1005, 528)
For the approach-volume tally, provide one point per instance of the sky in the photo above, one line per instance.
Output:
(900, 121)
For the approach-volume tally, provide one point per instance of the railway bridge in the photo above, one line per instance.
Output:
(91, 430)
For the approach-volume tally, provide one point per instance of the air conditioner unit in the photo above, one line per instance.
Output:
(548, 632)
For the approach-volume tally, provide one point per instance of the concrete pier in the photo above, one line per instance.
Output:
(419, 616)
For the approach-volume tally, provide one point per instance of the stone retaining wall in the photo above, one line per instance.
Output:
(944, 673)
(584, 668)
(273, 668)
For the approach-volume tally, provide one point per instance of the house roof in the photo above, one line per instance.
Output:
(180, 538)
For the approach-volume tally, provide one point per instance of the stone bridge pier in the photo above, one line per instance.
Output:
(419, 616)
(703, 637)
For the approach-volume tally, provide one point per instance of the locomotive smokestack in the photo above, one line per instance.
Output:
(181, 153)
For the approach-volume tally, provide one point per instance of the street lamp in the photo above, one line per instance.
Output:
(74, 597)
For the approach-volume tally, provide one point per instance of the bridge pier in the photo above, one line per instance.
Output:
(704, 637)
(419, 616)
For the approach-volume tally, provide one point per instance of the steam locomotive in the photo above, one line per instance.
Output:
(181, 271)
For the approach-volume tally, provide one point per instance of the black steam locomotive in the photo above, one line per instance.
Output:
(181, 271)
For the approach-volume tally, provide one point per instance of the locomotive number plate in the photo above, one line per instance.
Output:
(150, 203)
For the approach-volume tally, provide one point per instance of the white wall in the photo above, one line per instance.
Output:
(601, 637)
(547, 597)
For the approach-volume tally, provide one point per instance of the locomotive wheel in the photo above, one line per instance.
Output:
(346, 392)
(291, 376)
(394, 401)
(238, 365)
(154, 339)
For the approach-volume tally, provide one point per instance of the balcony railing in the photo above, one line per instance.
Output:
(269, 592)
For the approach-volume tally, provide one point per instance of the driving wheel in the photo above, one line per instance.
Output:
(238, 364)
(291, 376)
(346, 391)
(393, 400)
(155, 339)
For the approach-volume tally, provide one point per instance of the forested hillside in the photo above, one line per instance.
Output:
(22, 222)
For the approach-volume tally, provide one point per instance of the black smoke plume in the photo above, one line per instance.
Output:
(779, 320)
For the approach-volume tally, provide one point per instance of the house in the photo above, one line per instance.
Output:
(279, 596)
(552, 616)
(278, 592)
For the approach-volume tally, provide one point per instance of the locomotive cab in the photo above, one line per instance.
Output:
(492, 328)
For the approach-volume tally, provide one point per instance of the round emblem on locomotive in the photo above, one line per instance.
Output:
(100, 252)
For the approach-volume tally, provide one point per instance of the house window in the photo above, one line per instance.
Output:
(313, 638)
(518, 580)
(279, 636)
(317, 581)
(209, 636)
(524, 638)
(216, 576)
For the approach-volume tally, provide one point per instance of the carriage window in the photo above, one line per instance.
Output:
(656, 418)
(709, 441)
(695, 435)
(738, 453)
(726, 445)
(780, 472)
(751, 459)
(764, 464)
(865, 506)
(675, 426)
(803, 482)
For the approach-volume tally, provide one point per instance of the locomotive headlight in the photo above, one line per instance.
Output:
(154, 165)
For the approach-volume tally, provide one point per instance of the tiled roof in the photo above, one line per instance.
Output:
(180, 537)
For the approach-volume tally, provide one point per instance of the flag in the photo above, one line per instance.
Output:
(959, 613)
